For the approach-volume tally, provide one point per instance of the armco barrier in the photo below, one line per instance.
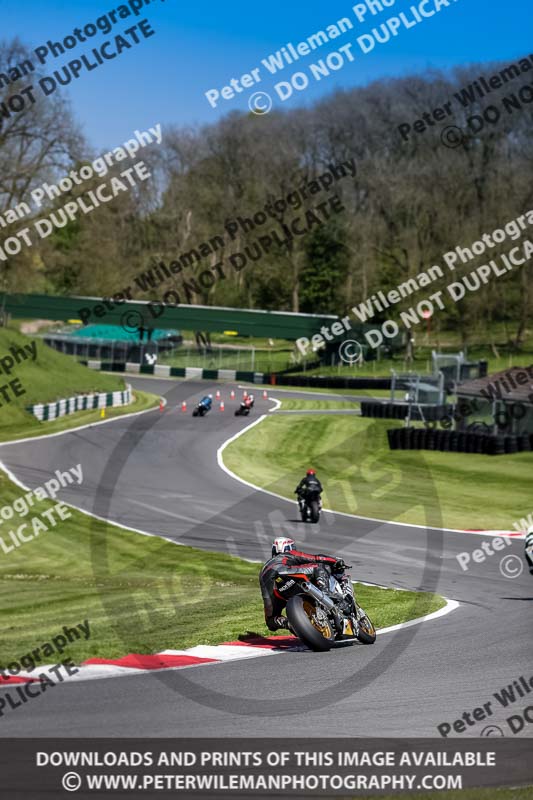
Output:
(165, 370)
(490, 444)
(83, 402)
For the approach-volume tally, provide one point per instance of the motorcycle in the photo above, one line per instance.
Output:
(321, 618)
(200, 410)
(244, 409)
(310, 506)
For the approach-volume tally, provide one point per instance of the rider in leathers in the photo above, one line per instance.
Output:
(289, 560)
(308, 483)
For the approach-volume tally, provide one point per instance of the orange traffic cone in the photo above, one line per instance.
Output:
(161, 405)
(232, 394)
(184, 406)
(265, 394)
(217, 395)
(222, 406)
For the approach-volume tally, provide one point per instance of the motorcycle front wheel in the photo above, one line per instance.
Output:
(367, 631)
(302, 615)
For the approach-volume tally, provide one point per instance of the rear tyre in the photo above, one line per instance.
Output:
(301, 613)
(303, 513)
(367, 632)
(315, 513)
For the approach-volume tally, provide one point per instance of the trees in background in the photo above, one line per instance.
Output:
(409, 203)
(36, 142)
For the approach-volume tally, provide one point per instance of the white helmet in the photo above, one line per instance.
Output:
(282, 545)
(210, 396)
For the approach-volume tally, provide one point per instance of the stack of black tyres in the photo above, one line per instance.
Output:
(419, 438)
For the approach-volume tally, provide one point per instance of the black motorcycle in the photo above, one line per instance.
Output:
(321, 618)
(201, 410)
(243, 409)
(310, 506)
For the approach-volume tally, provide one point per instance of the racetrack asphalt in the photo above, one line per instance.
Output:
(159, 473)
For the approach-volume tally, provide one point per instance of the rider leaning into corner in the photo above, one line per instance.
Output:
(285, 557)
(308, 483)
(207, 401)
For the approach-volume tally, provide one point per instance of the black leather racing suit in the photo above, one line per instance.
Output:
(309, 483)
(294, 562)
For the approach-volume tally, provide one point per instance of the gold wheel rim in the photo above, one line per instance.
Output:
(310, 610)
(366, 626)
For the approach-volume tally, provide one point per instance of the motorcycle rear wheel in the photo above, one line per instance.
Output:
(315, 513)
(301, 613)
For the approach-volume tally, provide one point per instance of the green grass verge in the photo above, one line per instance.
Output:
(525, 793)
(140, 594)
(53, 376)
(294, 404)
(366, 393)
(362, 476)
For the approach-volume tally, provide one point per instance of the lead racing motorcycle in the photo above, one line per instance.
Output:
(322, 618)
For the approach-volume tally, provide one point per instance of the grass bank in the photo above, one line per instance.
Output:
(52, 376)
(362, 476)
(295, 404)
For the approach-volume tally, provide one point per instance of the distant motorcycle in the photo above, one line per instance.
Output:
(320, 618)
(245, 407)
(310, 506)
(203, 407)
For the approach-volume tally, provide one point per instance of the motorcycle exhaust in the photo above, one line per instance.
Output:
(326, 601)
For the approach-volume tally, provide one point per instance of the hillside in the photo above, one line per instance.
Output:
(43, 376)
